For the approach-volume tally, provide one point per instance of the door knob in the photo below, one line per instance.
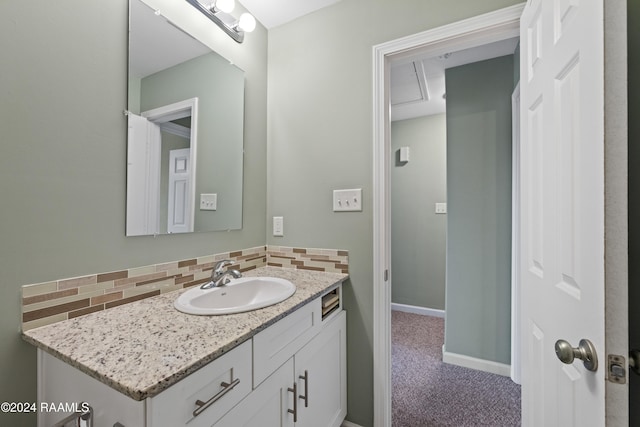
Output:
(585, 351)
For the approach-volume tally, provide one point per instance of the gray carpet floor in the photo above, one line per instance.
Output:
(428, 392)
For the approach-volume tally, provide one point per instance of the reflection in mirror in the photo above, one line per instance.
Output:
(185, 131)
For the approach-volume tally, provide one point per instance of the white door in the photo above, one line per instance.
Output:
(179, 212)
(562, 191)
(143, 176)
(321, 374)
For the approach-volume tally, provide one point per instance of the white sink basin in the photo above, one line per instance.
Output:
(237, 296)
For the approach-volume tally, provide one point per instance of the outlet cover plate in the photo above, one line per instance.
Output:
(278, 226)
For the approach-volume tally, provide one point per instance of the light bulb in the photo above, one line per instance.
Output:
(225, 6)
(246, 23)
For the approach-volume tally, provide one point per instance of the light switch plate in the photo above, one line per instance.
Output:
(347, 200)
(441, 208)
(278, 226)
(209, 202)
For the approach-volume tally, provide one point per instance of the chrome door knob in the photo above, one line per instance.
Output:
(585, 351)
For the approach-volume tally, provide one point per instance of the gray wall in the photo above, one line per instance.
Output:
(219, 87)
(63, 158)
(320, 139)
(478, 309)
(418, 234)
(633, 17)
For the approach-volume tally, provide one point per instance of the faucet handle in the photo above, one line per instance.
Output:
(221, 264)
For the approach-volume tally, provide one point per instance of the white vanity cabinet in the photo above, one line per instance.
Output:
(198, 400)
(293, 373)
(308, 390)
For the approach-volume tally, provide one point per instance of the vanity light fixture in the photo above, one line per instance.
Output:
(219, 12)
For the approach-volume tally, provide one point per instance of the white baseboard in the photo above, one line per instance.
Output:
(475, 363)
(417, 310)
(349, 424)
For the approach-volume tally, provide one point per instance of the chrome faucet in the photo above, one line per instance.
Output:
(220, 276)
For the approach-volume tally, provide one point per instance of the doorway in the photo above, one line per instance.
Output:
(465, 141)
(493, 27)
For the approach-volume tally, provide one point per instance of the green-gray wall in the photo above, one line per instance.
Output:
(63, 157)
(219, 87)
(633, 47)
(478, 309)
(320, 138)
(418, 234)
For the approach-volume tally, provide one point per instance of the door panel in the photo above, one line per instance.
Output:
(179, 214)
(562, 98)
(143, 176)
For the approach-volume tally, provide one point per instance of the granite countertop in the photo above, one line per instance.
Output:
(144, 347)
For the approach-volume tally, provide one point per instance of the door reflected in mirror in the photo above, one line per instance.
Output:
(185, 131)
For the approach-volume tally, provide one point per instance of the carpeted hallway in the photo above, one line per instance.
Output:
(428, 392)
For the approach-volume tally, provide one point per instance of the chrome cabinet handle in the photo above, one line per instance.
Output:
(77, 416)
(305, 377)
(226, 388)
(585, 351)
(294, 411)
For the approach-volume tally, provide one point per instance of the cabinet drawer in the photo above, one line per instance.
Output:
(215, 384)
(276, 344)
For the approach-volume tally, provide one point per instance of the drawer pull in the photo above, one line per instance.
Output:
(226, 388)
(294, 411)
(305, 377)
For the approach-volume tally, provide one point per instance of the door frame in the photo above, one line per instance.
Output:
(476, 31)
(515, 235)
(483, 29)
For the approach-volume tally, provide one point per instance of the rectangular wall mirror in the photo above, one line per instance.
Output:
(185, 131)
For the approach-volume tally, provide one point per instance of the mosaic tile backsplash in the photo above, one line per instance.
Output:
(50, 302)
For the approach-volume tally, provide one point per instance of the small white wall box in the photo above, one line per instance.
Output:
(404, 154)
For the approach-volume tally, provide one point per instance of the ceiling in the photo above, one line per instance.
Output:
(272, 13)
(418, 85)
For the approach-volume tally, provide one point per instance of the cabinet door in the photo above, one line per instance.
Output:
(267, 405)
(322, 378)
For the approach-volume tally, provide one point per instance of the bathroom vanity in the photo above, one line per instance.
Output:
(147, 364)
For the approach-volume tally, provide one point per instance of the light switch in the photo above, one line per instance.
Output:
(441, 208)
(278, 226)
(209, 202)
(347, 200)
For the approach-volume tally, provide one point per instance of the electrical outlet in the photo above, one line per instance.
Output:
(441, 208)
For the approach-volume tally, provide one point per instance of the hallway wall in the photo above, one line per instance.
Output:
(418, 234)
(478, 301)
